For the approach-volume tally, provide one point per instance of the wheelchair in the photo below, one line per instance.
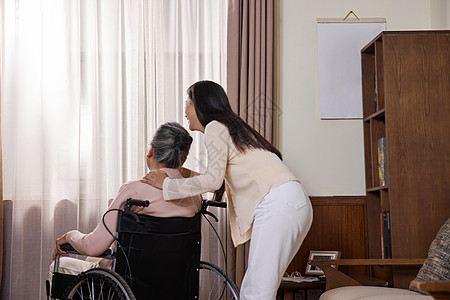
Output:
(154, 258)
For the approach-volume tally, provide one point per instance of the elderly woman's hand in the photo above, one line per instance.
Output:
(155, 178)
(60, 241)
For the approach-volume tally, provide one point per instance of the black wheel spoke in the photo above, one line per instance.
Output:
(99, 284)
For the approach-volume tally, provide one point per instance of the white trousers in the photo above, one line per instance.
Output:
(282, 220)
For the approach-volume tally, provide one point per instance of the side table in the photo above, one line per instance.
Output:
(300, 290)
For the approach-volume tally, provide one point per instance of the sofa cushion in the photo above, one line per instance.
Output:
(371, 293)
(437, 264)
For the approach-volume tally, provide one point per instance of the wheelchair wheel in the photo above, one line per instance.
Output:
(215, 285)
(98, 284)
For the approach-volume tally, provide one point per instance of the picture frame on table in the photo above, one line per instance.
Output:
(314, 270)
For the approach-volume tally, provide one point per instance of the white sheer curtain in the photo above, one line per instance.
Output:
(83, 86)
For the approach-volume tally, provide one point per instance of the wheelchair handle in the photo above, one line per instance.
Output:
(127, 204)
(207, 203)
(136, 202)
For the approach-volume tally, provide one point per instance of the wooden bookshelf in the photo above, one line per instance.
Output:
(406, 100)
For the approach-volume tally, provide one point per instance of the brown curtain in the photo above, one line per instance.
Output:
(1, 207)
(251, 78)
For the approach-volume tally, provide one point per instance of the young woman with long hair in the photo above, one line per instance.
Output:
(266, 201)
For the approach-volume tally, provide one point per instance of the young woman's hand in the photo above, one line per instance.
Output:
(60, 241)
(186, 173)
(155, 178)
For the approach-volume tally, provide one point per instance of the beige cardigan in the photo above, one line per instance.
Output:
(249, 176)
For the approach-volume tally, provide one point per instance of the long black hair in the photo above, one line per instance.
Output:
(211, 103)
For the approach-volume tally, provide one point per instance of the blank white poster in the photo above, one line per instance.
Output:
(339, 46)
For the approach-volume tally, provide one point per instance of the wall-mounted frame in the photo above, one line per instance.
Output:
(339, 44)
(314, 270)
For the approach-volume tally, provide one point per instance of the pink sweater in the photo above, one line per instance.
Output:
(96, 242)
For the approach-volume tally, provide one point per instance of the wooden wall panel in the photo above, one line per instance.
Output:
(339, 224)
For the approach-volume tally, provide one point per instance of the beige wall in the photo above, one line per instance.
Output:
(327, 155)
(440, 14)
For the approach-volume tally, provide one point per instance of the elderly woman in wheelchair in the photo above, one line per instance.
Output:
(162, 236)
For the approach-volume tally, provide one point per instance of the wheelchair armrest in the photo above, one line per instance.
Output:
(68, 247)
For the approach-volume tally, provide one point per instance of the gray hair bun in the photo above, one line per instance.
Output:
(171, 144)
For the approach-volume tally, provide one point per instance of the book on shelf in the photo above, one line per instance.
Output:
(382, 162)
(386, 232)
